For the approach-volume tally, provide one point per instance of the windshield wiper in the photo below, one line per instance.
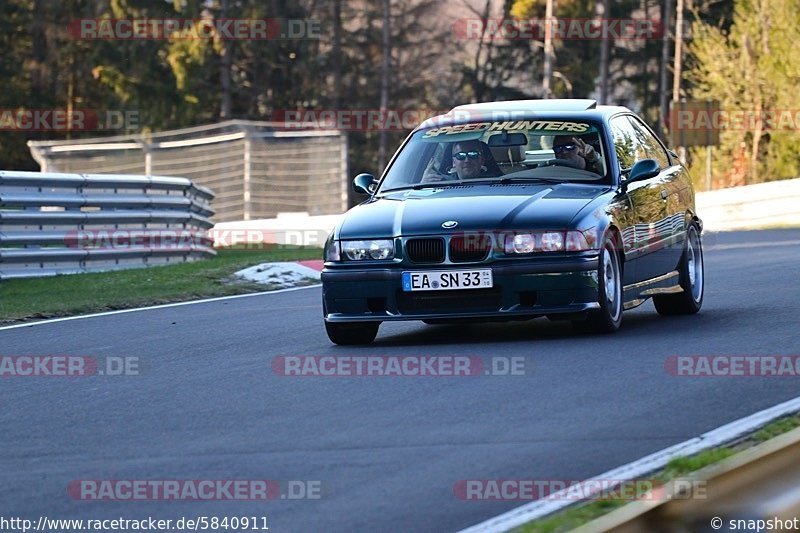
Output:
(521, 179)
(471, 181)
(428, 185)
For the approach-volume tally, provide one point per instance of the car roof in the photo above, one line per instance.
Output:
(533, 105)
(573, 108)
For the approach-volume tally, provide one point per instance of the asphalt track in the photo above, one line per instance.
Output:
(386, 450)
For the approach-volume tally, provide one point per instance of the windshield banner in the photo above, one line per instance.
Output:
(541, 126)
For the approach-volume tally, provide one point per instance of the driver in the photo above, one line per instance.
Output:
(578, 154)
(468, 159)
(467, 163)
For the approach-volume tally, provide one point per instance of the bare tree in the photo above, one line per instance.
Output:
(547, 70)
(225, 64)
(603, 11)
(662, 96)
(337, 54)
(385, 73)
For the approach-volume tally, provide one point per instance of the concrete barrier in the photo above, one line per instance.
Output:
(771, 204)
(287, 228)
(776, 203)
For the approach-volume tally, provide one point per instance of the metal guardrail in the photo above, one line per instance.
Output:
(53, 223)
(761, 483)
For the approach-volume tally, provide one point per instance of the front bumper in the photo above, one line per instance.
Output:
(522, 288)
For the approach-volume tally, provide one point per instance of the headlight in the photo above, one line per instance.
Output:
(552, 241)
(364, 250)
(549, 241)
(521, 243)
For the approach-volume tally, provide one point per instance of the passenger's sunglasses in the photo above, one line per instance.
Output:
(472, 154)
(564, 148)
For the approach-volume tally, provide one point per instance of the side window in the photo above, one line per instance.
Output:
(651, 144)
(627, 143)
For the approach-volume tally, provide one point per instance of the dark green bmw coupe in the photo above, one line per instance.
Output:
(516, 210)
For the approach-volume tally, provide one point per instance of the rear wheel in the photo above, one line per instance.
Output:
(609, 276)
(692, 280)
(349, 333)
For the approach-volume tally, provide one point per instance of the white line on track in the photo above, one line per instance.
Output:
(639, 468)
(737, 246)
(162, 306)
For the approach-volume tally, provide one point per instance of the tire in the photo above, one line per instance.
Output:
(608, 318)
(351, 333)
(692, 280)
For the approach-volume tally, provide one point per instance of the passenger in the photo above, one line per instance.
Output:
(577, 153)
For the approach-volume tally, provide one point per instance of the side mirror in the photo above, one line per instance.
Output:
(364, 184)
(644, 169)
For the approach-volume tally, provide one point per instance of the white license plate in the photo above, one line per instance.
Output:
(447, 280)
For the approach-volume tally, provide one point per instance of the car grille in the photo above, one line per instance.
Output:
(468, 248)
(425, 250)
(445, 301)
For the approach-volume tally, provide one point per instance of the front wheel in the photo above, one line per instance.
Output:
(692, 280)
(350, 333)
(609, 317)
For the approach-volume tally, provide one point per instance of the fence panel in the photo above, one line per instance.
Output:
(256, 169)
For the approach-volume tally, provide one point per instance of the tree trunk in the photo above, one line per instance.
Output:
(662, 96)
(547, 74)
(226, 61)
(676, 76)
(337, 54)
(385, 73)
(603, 12)
(39, 49)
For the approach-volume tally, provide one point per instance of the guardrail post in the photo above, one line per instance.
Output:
(148, 159)
(246, 176)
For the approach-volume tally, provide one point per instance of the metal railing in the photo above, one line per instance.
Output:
(53, 223)
(757, 485)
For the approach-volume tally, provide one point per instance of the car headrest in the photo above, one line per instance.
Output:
(508, 154)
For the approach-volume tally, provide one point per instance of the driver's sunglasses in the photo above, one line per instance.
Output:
(472, 154)
(564, 148)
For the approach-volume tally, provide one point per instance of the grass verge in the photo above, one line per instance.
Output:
(571, 518)
(37, 298)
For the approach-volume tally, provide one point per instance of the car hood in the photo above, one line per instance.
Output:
(473, 207)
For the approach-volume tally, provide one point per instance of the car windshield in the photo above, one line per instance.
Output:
(512, 150)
